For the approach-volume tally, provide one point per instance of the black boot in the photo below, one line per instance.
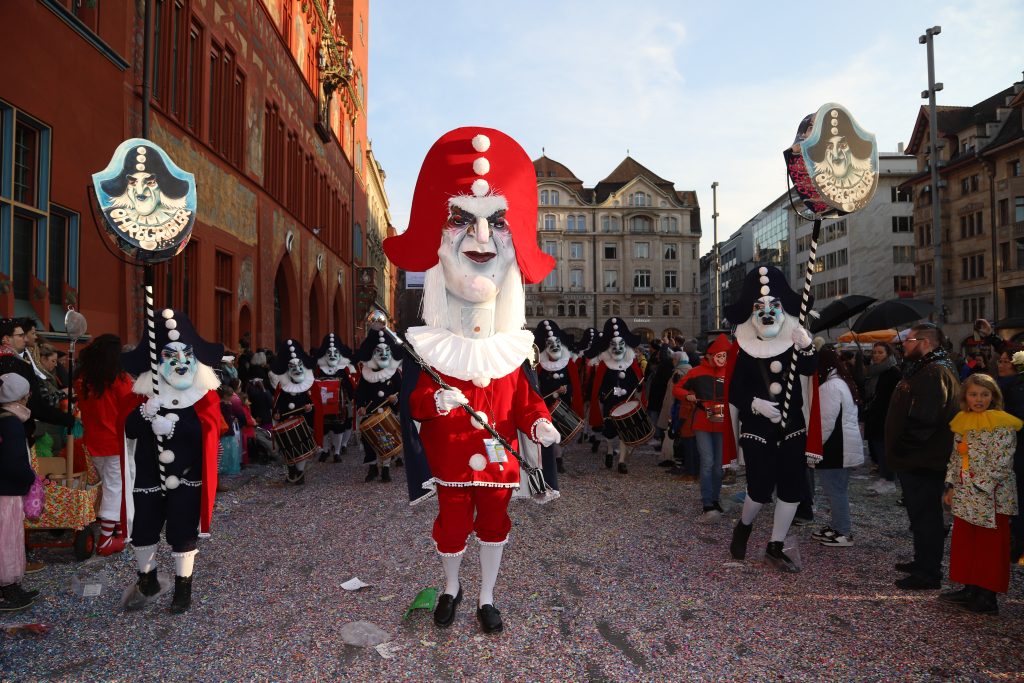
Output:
(609, 458)
(560, 466)
(983, 602)
(740, 536)
(147, 583)
(292, 476)
(385, 474)
(13, 601)
(779, 559)
(337, 457)
(594, 444)
(324, 454)
(301, 479)
(182, 594)
(397, 462)
(372, 473)
(964, 595)
(623, 469)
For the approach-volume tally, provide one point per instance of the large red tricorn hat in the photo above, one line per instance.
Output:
(472, 162)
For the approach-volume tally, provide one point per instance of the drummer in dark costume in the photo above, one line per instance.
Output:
(776, 453)
(291, 377)
(557, 376)
(585, 373)
(171, 443)
(333, 363)
(617, 379)
(380, 382)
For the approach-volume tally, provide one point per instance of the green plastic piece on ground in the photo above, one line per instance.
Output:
(425, 599)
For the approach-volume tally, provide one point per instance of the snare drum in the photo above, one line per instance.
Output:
(568, 424)
(383, 432)
(293, 439)
(631, 423)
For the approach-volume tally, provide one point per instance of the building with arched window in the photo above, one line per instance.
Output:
(627, 246)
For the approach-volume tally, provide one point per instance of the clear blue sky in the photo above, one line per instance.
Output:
(696, 91)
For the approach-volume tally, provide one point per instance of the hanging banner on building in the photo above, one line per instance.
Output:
(833, 162)
(148, 203)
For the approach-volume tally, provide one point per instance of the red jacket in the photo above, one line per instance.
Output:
(707, 383)
(103, 416)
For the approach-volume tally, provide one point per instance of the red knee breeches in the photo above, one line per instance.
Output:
(462, 510)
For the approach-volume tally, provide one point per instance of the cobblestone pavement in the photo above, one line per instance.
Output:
(616, 581)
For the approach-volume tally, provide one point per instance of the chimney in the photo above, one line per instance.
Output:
(899, 148)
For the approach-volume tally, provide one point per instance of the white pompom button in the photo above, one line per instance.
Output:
(480, 187)
(481, 143)
(762, 271)
(622, 375)
(477, 462)
(481, 166)
(291, 406)
(171, 482)
(776, 366)
(167, 314)
(765, 290)
(477, 425)
(166, 457)
(775, 388)
(380, 394)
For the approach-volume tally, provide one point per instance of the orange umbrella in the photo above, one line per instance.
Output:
(875, 336)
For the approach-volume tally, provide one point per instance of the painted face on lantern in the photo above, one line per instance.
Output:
(768, 317)
(382, 357)
(178, 365)
(296, 370)
(837, 156)
(553, 347)
(617, 348)
(476, 248)
(333, 356)
(143, 193)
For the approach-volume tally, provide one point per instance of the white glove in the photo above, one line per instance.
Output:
(449, 399)
(150, 408)
(617, 391)
(545, 433)
(162, 426)
(801, 337)
(769, 409)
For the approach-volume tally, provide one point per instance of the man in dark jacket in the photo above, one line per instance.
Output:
(918, 442)
(12, 345)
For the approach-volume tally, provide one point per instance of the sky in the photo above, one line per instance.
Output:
(695, 91)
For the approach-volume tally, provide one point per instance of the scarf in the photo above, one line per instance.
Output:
(874, 371)
(939, 355)
(17, 410)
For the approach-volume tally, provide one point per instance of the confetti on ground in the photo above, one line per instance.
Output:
(644, 596)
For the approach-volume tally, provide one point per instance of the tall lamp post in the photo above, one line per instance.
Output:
(715, 264)
(933, 124)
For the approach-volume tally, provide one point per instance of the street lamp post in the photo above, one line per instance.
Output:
(715, 264)
(933, 137)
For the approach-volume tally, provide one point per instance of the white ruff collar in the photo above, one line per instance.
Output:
(613, 364)
(343, 364)
(471, 359)
(555, 365)
(290, 387)
(746, 337)
(378, 376)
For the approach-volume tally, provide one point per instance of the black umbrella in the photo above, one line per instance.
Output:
(840, 310)
(893, 313)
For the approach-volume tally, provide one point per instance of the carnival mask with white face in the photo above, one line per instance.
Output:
(768, 317)
(143, 192)
(178, 365)
(381, 357)
(333, 357)
(476, 248)
(837, 156)
(617, 348)
(553, 348)
(296, 370)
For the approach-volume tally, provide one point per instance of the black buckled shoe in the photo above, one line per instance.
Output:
(982, 602)
(324, 455)
(740, 536)
(779, 559)
(490, 619)
(964, 595)
(444, 613)
(385, 474)
(609, 458)
(371, 473)
(182, 594)
(623, 469)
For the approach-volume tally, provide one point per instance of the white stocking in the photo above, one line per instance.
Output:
(750, 510)
(624, 453)
(451, 573)
(184, 562)
(301, 466)
(145, 558)
(490, 563)
(345, 436)
(784, 513)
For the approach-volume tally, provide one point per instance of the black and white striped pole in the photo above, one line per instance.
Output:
(805, 301)
(154, 363)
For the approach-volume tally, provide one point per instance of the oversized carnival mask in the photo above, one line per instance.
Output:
(617, 348)
(333, 357)
(476, 249)
(768, 317)
(296, 370)
(553, 347)
(142, 192)
(382, 357)
(178, 365)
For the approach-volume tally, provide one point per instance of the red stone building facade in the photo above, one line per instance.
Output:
(238, 99)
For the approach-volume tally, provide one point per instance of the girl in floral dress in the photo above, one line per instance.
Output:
(982, 491)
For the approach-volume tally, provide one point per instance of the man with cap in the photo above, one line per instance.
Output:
(380, 382)
(291, 376)
(557, 375)
(617, 379)
(334, 386)
(473, 230)
(171, 443)
(776, 453)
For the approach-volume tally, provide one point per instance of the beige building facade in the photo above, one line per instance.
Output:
(378, 223)
(628, 247)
